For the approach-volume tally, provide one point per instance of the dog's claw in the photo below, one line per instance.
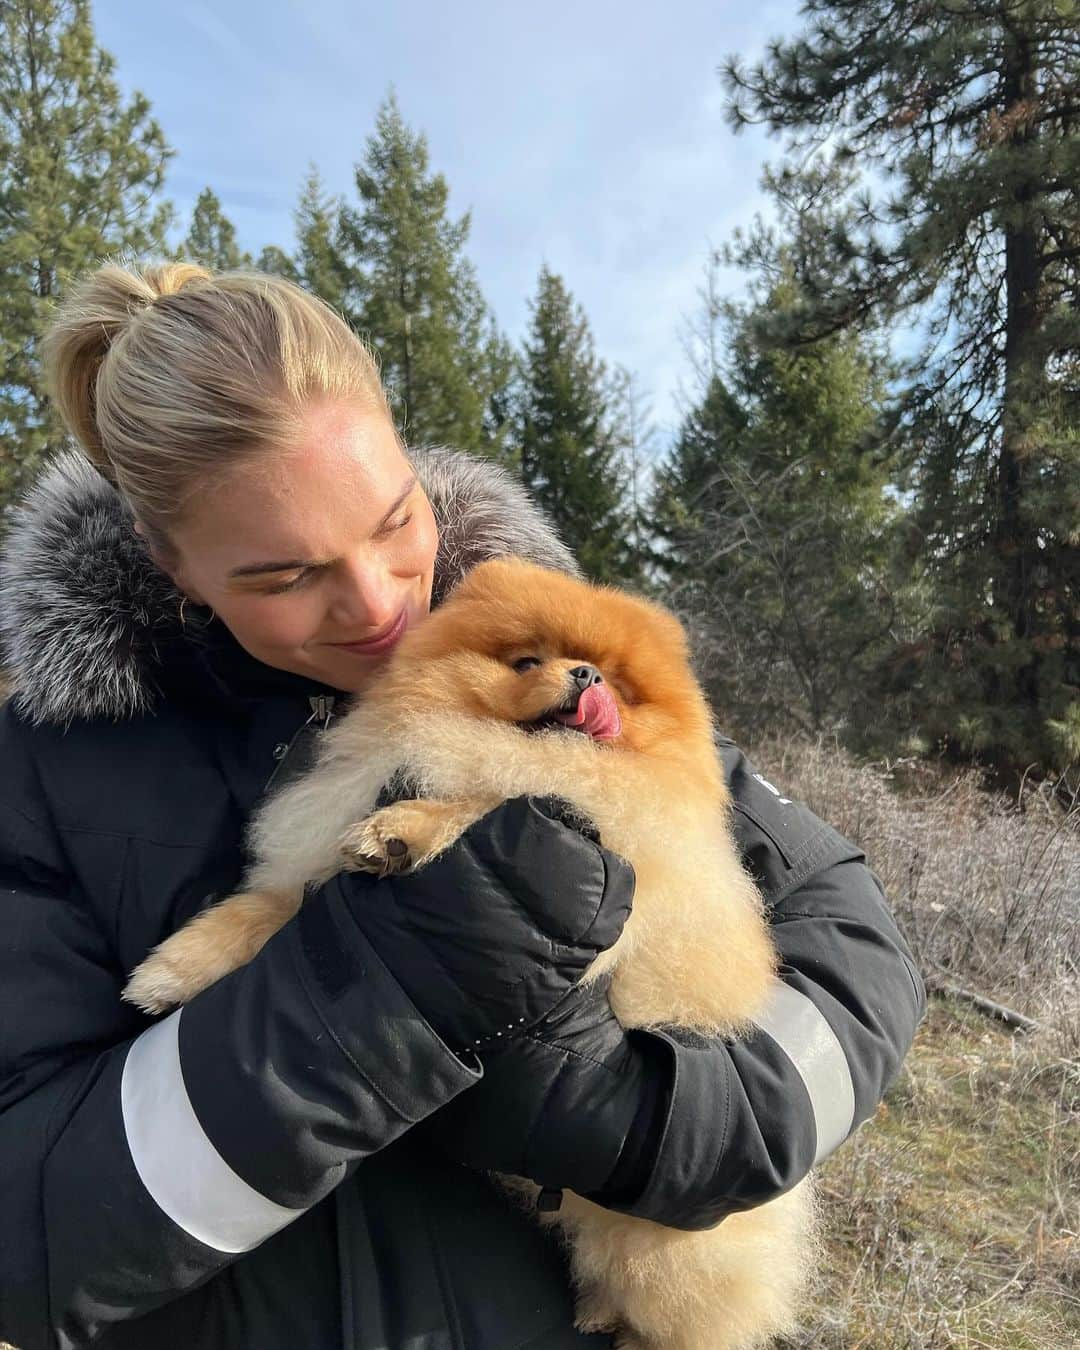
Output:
(392, 859)
(398, 858)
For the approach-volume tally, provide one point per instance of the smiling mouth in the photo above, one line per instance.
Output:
(380, 640)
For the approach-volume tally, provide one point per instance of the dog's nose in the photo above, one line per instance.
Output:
(585, 676)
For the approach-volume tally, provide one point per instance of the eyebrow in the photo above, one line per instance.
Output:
(292, 564)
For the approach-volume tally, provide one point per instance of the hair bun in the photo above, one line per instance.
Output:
(169, 375)
(171, 278)
(88, 321)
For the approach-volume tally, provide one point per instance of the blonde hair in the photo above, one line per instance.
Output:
(168, 374)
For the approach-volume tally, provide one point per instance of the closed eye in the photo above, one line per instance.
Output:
(395, 525)
(292, 585)
(306, 575)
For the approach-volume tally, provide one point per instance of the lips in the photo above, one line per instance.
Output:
(596, 714)
(380, 643)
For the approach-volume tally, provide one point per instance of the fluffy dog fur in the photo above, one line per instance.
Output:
(452, 715)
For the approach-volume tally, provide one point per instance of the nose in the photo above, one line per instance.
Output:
(366, 599)
(585, 676)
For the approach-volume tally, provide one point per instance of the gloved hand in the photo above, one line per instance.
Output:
(577, 1103)
(489, 937)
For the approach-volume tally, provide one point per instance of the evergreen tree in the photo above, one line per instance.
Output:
(569, 453)
(79, 169)
(320, 263)
(277, 262)
(776, 526)
(711, 423)
(968, 114)
(682, 500)
(413, 292)
(211, 239)
(502, 383)
(636, 436)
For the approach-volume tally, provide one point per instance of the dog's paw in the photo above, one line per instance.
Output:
(374, 846)
(211, 946)
(599, 1319)
(596, 1318)
(626, 1340)
(156, 984)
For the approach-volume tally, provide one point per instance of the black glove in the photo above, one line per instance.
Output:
(489, 937)
(578, 1103)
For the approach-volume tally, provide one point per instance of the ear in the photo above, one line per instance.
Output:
(166, 560)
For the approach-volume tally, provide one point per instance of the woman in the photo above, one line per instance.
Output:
(241, 541)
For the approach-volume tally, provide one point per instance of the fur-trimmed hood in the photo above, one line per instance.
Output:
(88, 622)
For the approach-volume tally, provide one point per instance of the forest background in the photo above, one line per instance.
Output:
(864, 502)
(869, 511)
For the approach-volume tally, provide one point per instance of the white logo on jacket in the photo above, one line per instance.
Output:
(784, 801)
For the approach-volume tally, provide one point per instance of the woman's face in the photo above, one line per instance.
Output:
(307, 550)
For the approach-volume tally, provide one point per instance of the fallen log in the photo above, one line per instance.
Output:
(1011, 1018)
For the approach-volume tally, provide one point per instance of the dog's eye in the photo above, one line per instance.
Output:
(526, 663)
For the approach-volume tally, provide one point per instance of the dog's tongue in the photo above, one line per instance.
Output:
(596, 714)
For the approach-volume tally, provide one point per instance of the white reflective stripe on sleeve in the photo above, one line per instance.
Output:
(800, 1030)
(176, 1162)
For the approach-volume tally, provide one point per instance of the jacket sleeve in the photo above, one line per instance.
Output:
(137, 1161)
(747, 1120)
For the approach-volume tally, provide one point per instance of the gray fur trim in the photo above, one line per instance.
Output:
(483, 512)
(83, 609)
(80, 600)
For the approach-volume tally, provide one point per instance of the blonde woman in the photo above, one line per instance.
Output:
(237, 542)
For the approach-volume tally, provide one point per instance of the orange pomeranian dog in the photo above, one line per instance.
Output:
(481, 702)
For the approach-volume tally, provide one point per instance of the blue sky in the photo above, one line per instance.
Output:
(589, 136)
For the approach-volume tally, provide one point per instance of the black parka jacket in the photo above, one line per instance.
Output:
(130, 760)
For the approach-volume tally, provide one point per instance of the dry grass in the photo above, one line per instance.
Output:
(953, 1219)
(987, 892)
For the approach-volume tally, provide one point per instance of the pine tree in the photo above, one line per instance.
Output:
(570, 457)
(79, 169)
(682, 498)
(211, 238)
(809, 592)
(968, 114)
(636, 436)
(413, 292)
(277, 262)
(502, 384)
(776, 523)
(320, 262)
(711, 423)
